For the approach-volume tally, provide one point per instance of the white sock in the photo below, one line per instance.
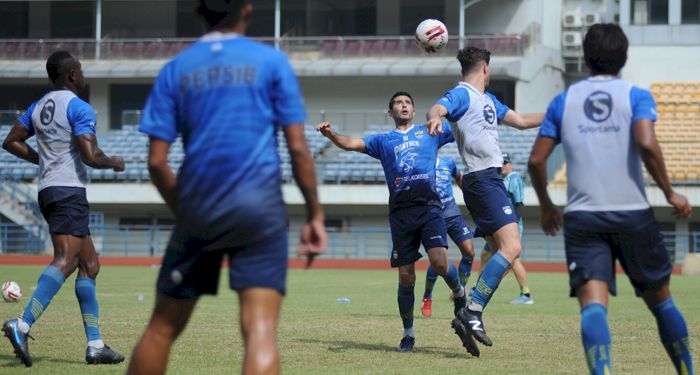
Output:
(22, 325)
(460, 294)
(408, 332)
(97, 344)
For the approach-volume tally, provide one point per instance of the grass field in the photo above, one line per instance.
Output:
(318, 336)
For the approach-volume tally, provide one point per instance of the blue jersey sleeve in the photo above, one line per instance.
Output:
(446, 136)
(501, 109)
(373, 144)
(551, 125)
(642, 104)
(26, 118)
(453, 168)
(81, 117)
(456, 101)
(517, 188)
(159, 118)
(287, 100)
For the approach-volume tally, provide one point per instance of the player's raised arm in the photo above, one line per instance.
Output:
(93, 156)
(313, 234)
(650, 151)
(523, 121)
(434, 118)
(15, 143)
(344, 142)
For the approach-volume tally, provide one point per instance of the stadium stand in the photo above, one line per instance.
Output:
(334, 167)
(678, 128)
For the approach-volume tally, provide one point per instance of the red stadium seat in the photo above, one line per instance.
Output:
(352, 47)
(391, 46)
(330, 47)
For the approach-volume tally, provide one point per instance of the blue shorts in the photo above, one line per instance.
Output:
(458, 229)
(412, 226)
(594, 240)
(66, 210)
(487, 200)
(189, 272)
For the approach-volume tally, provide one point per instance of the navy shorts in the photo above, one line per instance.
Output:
(594, 240)
(412, 226)
(189, 272)
(487, 200)
(66, 210)
(458, 229)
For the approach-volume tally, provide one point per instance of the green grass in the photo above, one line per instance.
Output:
(318, 336)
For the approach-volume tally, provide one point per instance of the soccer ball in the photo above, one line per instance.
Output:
(431, 35)
(11, 291)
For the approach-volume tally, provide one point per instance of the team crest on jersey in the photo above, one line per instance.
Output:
(507, 210)
(407, 162)
(489, 114)
(397, 181)
(598, 106)
(419, 134)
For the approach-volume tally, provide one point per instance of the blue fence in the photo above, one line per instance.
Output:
(350, 243)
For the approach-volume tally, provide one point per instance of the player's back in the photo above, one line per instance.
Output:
(604, 170)
(230, 95)
(55, 119)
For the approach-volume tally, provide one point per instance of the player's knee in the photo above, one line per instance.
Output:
(511, 251)
(468, 247)
(65, 264)
(440, 268)
(90, 269)
(407, 279)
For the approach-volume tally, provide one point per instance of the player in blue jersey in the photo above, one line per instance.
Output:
(408, 156)
(477, 113)
(64, 126)
(516, 194)
(228, 96)
(446, 171)
(606, 127)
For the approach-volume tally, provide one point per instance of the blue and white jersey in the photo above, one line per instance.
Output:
(516, 190)
(477, 117)
(593, 121)
(408, 158)
(227, 95)
(56, 119)
(445, 172)
(515, 187)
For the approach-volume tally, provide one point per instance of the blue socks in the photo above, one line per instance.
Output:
(430, 279)
(488, 281)
(90, 309)
(465, 270)
(674, 335)
(50, 282)
(406, 300)
(452, 280)
(595, 334)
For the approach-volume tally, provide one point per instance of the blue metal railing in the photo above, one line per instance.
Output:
(346, 243)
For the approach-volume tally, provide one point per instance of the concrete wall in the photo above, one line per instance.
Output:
(646, 64)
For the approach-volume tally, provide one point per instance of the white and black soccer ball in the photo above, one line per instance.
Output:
(11, 291)
(431, 35)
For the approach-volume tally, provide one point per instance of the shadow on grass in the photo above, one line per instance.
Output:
(338, 346)
(7, 360)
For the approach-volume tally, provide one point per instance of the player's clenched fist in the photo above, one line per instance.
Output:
(324, 128)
